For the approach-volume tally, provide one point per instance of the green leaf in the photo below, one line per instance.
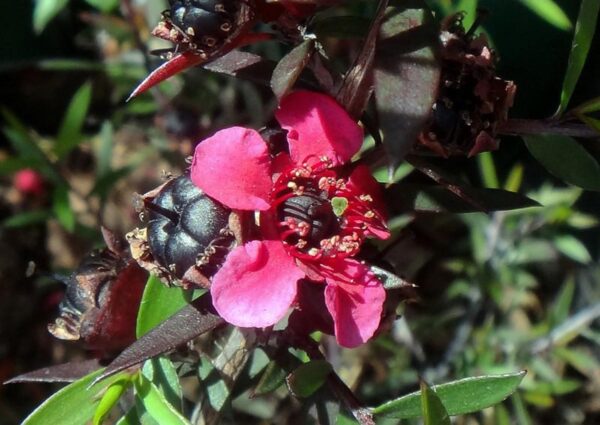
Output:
(271, 379)
(26, 219)
(592, 123)
(163, 374)
(584, 32)
(550, 12)
(433, 411)
(61, 207)
(74, 404)
(592, 105)
(562, 305)
(45, 11)
(515, 178)
(573, 248)
(156, 404)
(103, 5)
(459, 397)
(308, 378)
(159, 302)
(488, 170)
(566, 159)
(69, 134)
(110, 399)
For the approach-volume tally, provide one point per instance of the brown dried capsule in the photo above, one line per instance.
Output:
(472, 100)
(102, 299)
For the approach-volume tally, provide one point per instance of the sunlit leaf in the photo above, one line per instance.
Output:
(458, 397)
(584, 31)
(74, 404)
(550, 12)
(159, 302)
(45, 11)
(592, 105)
(156, 404)
(566, 159)
(109, 399)
(433, 411)
(163, 374)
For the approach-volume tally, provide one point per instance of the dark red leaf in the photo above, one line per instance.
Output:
(289, 68)
(67, 372)
(185, 325)
(358, 84)
(422, 198)
(406, 74)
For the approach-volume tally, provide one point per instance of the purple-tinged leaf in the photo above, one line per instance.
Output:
(403, 198)
(289, 68)
(358, 84)
(244, 65)
(406, 75)
(67, 372)
(188, 323)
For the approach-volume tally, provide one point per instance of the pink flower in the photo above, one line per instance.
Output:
(314, 216)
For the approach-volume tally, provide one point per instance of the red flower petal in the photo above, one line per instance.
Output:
(361, 181)
(355, 301)
(233, 167)
(318, 126)
(256, 285)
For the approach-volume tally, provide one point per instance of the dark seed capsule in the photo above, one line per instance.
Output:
(183, 222)
(206, 23)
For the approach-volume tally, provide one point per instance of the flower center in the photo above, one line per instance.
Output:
(319, 214)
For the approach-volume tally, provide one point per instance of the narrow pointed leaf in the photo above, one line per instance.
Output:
(69, 134)
(308, 378)
(406, 74)
(582, 40)
(426, 198)
(45, 11)
(458, 397)
(550, 12)
(358, 83)
(66, 372)
(62, 208)
(156, 404)
(290, 67)
(159, 302)
(188, 323)
(109, 399)
(163, 374)
(433, 411)
(271, 379)
(566, 159)
(178, 63)
(74, 404)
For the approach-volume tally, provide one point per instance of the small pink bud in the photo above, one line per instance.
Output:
(29, 182)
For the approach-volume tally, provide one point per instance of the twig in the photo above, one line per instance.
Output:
(517, 127)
